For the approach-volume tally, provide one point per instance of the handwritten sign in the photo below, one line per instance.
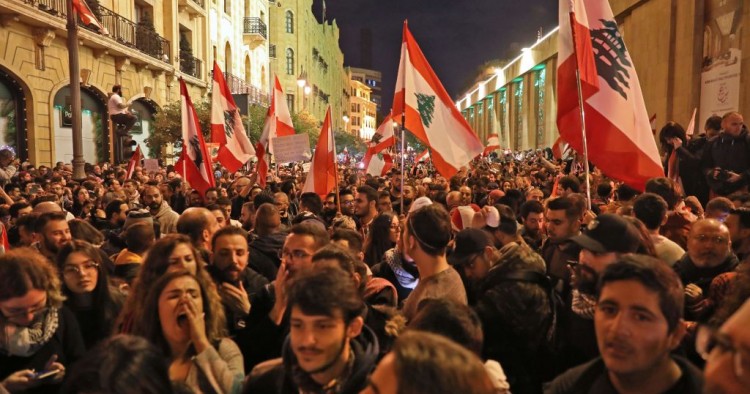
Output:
(292, 148)
(150, 165)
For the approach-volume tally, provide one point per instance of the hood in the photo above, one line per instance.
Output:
(271, 243)
(366, 350)
(164, 208)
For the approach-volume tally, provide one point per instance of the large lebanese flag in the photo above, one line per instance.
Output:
(278, 124)
(384, 136)
(377, 166)
(227, 129)
(430, 113)
(493, 144)
(322, 176)
(619, 135)
(87, 16)
(194, 164)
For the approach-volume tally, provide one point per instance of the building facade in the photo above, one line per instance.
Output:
(374, 80)
(688, 55)
(151, 43)
(307, 59)
(363, 111)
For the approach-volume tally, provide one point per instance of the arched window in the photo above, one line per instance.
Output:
(289, 61)
(289, 22)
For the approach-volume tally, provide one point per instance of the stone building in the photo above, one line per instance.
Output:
(363, 111)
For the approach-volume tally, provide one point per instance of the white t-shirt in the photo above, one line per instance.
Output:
(114, 103)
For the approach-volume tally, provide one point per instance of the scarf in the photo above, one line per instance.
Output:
(583, 305)
(25, 341)
(405, 279)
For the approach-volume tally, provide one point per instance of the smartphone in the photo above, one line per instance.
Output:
(45, 374)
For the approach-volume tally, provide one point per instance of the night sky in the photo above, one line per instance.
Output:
(456, 36)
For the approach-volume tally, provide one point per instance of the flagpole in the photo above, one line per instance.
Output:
(582, 112)
(75, 92)
(403, 145)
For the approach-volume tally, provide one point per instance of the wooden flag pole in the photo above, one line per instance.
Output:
(582, 112)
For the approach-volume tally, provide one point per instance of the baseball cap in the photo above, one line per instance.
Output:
(468, 243)
(609, 233)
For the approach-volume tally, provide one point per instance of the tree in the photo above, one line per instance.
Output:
(354, 145)
(305, 122)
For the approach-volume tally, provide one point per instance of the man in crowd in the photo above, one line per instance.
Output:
(119, 112)
(651, 209)
(563, 221)
(726, 158)
(52, 232)
(200, 225)
(532, 218)
(160, 210)
(366, 208)
(738, 224)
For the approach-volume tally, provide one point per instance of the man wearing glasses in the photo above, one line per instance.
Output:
(726, 353)
(638, 322)
(708, 255)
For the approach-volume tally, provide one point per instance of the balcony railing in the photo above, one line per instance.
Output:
(200, 3)
(255, 25)
(142, 37)
(238, 85)
(272, 51)
(190, 65)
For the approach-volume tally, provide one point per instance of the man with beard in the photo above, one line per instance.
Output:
(235, 280)
(160, 210)
(347, 202)
(52, 232)
(603, 242)
(329, 349)
(708, 255)
(130, 187)
(365, 207)
(200, 225)
(532, 217)
(738, 223)
(247, 216)
(563, 221)
(281, 200)
(638, 323)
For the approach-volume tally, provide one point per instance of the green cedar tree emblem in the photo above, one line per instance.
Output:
(426, 107)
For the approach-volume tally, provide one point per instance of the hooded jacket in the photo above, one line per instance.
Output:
(264, 254)
(278, 375)
(167, 219)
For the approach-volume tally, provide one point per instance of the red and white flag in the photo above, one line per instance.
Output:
(135, 161)
(560, 148)
(423, 156)
(493, 144)
(619, 135)
(87, 16)
(691, 126)
(322, 176)
(278, 124)
(378, 166)
(430, 113)
(227, 129)
(194, 164)
(384, 136)
(652, 120)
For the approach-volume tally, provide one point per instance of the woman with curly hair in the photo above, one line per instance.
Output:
(81, 203)
(383, 235)
(87, 290)
(174, 252)
(182, 315)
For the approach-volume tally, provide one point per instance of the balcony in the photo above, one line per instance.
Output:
(255, 31)
(190, 65)
(238, 85)
(272, 51)
(192, 7)
(141, 37)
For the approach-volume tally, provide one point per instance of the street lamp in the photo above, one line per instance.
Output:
(301, 82)
(346, 123)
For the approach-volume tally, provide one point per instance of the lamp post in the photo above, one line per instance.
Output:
(307, 91)
(301, 82)
(346, 123)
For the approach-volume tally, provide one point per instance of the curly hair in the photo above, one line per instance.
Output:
(148, 325)
(23, 270)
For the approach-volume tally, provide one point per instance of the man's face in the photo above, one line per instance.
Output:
(535, 195)
(708, 244)
(227, 209)
(631, 330)
(736, 232)
(165, 191)
(721, 371)
(195, 199)
(465, 195)
(478, 266)
(282, 203)
(24, 310)
(361, 205)
(534, 222)
(559, 226)
(55, 235)
(220, 219)
(56, 189)
(347, 204)
(152, 198)
(211, 197)
(385, 205)
(122, 214)
(211, 227)
(129, 188)
(246, 217)
(408, 193)
(732, 125)
(319, 341)
(329, 204)
(230, 256)
(297, 253)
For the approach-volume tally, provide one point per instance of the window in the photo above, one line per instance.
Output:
(290, 102)
(289, 61)
(289, 22)
(228, 7)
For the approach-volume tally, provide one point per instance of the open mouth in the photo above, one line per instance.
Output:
(182, 319)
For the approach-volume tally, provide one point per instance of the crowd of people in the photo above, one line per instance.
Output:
(503, 278)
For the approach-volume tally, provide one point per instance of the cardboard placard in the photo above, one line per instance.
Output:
(292, 148)
(151, 165)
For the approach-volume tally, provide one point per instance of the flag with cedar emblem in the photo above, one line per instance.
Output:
(227, 129)
(278, 124)
(194, 164)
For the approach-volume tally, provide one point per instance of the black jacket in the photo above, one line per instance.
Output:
(264, 254)
(279, 379)
(728, 153)
(702, 277)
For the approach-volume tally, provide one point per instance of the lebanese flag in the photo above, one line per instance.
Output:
(135, 160)
(322, 176)
(384, 136)
(278, 124)
(493, 144)
(227, 129)
(87, 16)
(619, 135)
(378, 166)
(430, 112)
(423, 156)
(194, 164)
(560, 148)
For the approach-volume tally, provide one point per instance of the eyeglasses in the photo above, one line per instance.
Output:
(347, 202)
(708, 338)
(293, 255)
(395, 227)
(75, 270)
(716, 240)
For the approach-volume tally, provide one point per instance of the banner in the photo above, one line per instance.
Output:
(291, 148)
(722, 54)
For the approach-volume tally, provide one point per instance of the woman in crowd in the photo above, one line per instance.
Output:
(87, 290)
(81, 204)
(183, 317)
(399, 269)
(39, 337)
(383, 236)
(181, 256)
